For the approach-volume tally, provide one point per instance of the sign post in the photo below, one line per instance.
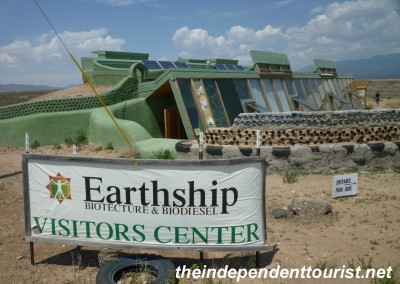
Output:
(344, 185)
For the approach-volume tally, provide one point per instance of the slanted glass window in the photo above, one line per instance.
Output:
(343, 88)
(258, 95)
(321, 90)
(203, 102)
(307, 89)
(345, 91)
(282, 95)
(317, 96)
(288, 83)
(242, 89)
(356, 103)
(333, 91)
(215, 103)
(339, 90)
(345, 85)
(190, 105)
(230, 98)
(299, 89)
(270, 95)
(306, 108)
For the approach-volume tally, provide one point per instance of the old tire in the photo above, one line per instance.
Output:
(163, 269)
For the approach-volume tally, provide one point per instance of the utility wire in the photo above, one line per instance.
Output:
(85, 76)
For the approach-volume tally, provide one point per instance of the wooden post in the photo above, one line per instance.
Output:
(258, 265)
(79, 257)
(201, 258)
(32, 250)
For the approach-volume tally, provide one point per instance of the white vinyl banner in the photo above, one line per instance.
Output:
(146, 203)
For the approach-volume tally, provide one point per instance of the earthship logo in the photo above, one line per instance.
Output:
(59, 187)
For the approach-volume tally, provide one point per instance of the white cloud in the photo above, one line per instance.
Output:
(351, 29)
(267, 32)
(323, 40)
(45, 53)
(119, 2)
(197, 41)
(79, 43)
(7, 59)
(236, 42)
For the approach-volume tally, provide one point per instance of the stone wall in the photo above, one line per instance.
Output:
(322, 158)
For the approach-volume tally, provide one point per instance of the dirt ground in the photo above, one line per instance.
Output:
(363, 230)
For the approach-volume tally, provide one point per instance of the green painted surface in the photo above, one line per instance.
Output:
(121, 92)
(52, 129)
(265, 57)
(106, 54)
(103, 131)
(47, 128)
(322, 63)
(147, 148)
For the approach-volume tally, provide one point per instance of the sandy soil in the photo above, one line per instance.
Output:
(362, 228)
(82, 90)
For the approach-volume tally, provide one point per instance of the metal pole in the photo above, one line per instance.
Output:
(31, 247)
(26, 142)
(74, 150)
(201, 142)
(258, 142)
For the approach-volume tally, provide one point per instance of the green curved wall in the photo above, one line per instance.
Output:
(51, 121)
(125, 90)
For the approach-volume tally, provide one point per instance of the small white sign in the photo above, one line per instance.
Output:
(344, 185)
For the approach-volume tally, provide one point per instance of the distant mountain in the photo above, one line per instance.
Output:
(377, 67)
(23, 88)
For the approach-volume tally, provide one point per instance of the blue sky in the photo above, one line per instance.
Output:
(30, 53)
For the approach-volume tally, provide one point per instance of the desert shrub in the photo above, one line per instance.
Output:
(109, 146)
(163, 154)
(68, 141)
(290, 177)
(98, 148)
(56, 146)
(393, 279)
(81, 138)
(35, 144)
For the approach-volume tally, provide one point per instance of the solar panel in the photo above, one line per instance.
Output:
(151, 64)
(180, 64)
(230, 67)
(166, 64)
(239, 67)
(221, 66)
